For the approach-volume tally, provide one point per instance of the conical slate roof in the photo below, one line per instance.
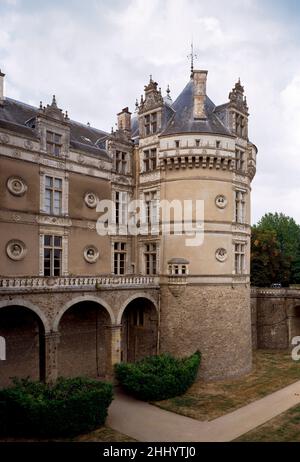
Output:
(183, 120)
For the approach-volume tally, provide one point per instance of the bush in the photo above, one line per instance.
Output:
(158, 377)
(67, 408)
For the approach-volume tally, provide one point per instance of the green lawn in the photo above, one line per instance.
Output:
(272, 370)
(283, 428)
(102, 434)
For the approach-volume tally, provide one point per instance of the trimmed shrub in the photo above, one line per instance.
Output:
(67, 408)
(158, 377)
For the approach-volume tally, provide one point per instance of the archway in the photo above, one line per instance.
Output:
(24, 335)
(85, 340)
(139, 330)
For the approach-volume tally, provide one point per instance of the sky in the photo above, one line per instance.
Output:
(97, 55)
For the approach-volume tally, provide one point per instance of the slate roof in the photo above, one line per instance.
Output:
(183, 120)
(14, 115)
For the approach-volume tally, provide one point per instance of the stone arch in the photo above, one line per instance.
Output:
(27, 304)
(85, 298)
(139, 320)
(23, 327)
(84, 330)
(130, 299)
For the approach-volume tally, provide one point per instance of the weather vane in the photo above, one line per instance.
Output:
(192, 56)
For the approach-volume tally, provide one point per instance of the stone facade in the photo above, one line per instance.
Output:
(82, 301)
(224, 312)
(275, 317)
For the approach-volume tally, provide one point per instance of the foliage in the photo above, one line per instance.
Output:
(268, 265)
(287, 231)
(275, 251)
(158, 377)
(67, 408)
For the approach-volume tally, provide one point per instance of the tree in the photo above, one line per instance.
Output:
(275, 253)
(267, 263)
(287, 231)
(296, 268)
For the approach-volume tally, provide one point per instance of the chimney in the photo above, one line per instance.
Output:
(124, 120)
(199, 78)
(1, 87)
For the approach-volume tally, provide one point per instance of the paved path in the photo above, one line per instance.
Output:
(145, 422)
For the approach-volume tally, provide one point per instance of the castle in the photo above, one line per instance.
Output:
(75, 301)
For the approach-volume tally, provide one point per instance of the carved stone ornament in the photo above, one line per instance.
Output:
(16, 186)
(91, 200)
(221, 255)
(16, 250)
(91, 254)
(221, 201)
(4, 138)
(28, 144)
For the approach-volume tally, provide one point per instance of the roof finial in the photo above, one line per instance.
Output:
(54, 101)
(192, 56)
(150, 78)
(168, 90)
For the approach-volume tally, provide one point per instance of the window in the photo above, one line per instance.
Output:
(121, 162)
(52, 255)
(54, 143)
(218, 144)
(239, 160)
(150, 160)
(150, 123)
(178, 269)
(150, 258)
(119, 257)
(240, 208)
(240, 125)
(177, 144)
(121, 207)
(197, 143)
(151, 207)
(239, 253)
(53, 195)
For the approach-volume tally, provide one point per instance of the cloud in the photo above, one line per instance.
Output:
(97, 58)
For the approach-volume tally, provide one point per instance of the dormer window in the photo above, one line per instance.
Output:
(240, 125)
(150, 123)
(150, 162)
(121, 162)
(54, 143)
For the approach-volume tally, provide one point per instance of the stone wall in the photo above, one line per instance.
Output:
(275, 317)
(214, 319)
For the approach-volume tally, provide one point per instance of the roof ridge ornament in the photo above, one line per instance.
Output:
(191, 57)
(54, 104)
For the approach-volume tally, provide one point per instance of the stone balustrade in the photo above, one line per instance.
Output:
(32, 284)
(271, 292)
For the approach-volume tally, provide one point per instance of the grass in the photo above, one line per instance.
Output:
(102, 434)
(283, 428)
(272, 370)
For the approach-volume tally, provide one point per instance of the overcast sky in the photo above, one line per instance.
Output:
(96, 56)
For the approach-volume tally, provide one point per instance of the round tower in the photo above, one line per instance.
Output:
(204, 156)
